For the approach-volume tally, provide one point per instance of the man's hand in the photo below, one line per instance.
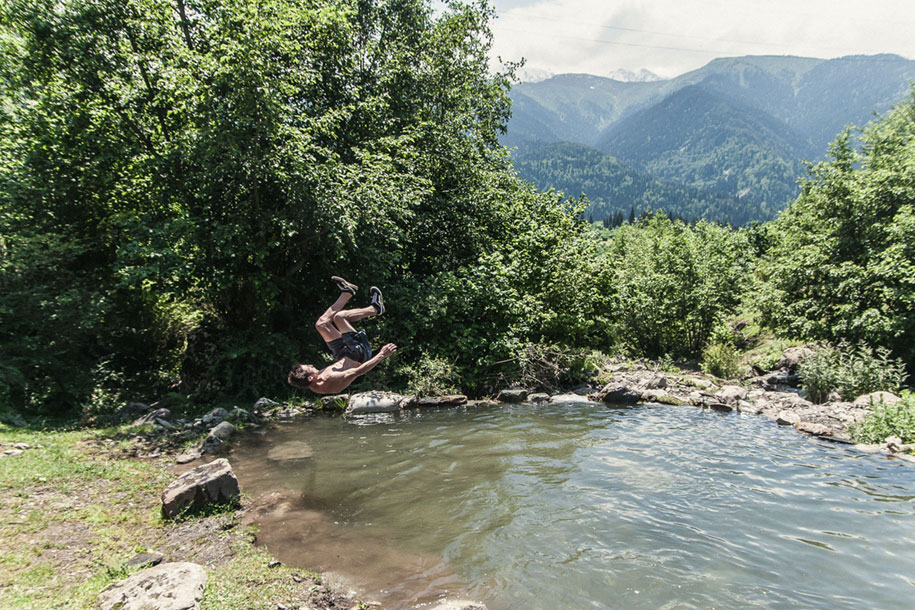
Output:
(387, 351)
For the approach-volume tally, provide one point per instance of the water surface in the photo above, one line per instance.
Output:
(584, 506)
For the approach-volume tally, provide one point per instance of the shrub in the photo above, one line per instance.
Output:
(850, 370)
(888, 420)
(721, 360)
(430, 376)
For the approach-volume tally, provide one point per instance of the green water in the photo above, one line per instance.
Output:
(583, 506)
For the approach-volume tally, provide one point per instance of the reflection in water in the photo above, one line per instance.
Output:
(580, 506)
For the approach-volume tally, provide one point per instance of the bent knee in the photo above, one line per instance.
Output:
(324, 323)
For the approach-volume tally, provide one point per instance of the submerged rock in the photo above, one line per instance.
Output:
(538, 397)
(209, 484)
(295, 450)
(449, 400)
(169, 586)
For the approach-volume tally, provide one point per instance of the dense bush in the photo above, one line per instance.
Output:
(842, 265)
(850, 370)
(721, 360)
(889, 420)
(673, 284)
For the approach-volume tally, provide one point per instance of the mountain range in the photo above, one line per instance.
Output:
(725, 142)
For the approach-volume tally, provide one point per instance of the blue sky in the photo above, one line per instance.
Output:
(670, 37)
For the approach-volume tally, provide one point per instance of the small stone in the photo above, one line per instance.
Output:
(214, 417)
(145, 559)
(787, 418)
(22, 446)
(512, 395)
(813, 428)
(274, 564)
(264, 404)
(187, 458)
(12, 452)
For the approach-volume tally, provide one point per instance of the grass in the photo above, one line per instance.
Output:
(75, 508)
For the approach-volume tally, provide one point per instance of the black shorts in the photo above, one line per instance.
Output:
(351, 345)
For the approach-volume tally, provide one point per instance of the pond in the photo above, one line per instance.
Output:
(585, 506)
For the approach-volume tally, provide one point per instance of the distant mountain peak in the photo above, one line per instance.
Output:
(628, 76)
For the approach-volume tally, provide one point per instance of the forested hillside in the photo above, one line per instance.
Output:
(739, 127)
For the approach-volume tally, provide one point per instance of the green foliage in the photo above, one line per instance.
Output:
(551, 367)
(721, 360)
(673, 284)
(430, 376)
(850, 370)
(842, 265)
(886, 420)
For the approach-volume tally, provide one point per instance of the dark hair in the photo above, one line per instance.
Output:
(298, 378)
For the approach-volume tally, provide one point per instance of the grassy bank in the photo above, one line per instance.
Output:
(77, 505)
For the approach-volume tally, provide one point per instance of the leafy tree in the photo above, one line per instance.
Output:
(674, 283)
(842, 265)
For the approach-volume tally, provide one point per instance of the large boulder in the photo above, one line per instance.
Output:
(375, 402)
(512, 395)
(793, 356)
(619, 394)
(875, 398)
(168, 586)
(732, 394)
(209, 484)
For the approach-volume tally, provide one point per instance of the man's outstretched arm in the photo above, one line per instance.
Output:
(385, 352)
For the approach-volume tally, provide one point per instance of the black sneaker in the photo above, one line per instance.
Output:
(377, 299)
(343, 285)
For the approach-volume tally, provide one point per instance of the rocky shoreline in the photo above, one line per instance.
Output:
(771, 394)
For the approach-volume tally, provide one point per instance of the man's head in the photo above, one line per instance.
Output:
(301, 376)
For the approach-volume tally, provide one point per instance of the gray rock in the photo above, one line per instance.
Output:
(240, 415)
(793, 356)
(663, 397)
(814, 428)
(132, 410)
(212, 483)
(701, 383)
(265, 404)
(164, 424)
(152, 416)
(22, 446)
(787, 418)
(214, 417)
(721, 407)
(12, 452)
(583, 389)
(875, 398)
(145, 559)
(512, 396)
(655, 382)
(169, 586)
(333, 403)
(619, 394)
(732, 394)
(567, 398)
(216, 439)
(293, 450)
(375, 402)
(538, 397)
(450, 400)
(748, 407)
(186, 458)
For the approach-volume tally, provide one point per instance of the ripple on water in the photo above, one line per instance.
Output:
(579, 506)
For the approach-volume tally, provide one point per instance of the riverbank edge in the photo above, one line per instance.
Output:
(86, 541)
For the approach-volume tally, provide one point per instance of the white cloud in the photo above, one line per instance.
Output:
(669, 37)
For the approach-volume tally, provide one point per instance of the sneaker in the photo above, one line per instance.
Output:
(377, 300)
(343, 285)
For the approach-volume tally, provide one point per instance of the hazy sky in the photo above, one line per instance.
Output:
(670, 37)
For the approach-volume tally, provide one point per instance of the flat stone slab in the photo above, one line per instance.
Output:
(212, 483)
(168, 586)
(375, 402)
(295, 450)
(568, 398)
(449, 400)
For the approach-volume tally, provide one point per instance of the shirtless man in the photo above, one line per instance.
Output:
(350, 348)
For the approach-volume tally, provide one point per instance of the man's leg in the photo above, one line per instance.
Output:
(343, 319)
(325, 324)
